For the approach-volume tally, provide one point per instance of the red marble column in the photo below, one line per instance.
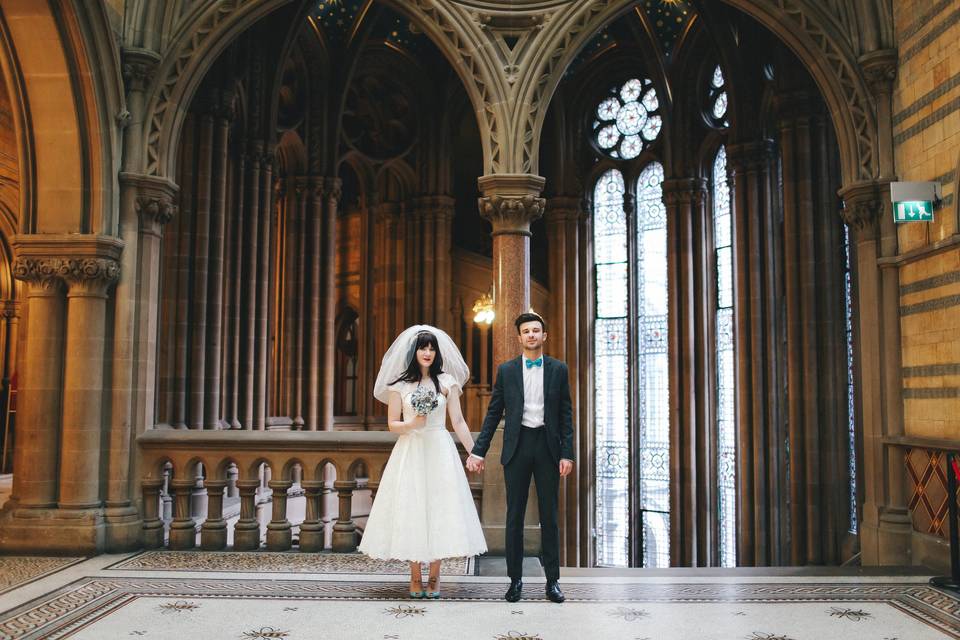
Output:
(510, 202)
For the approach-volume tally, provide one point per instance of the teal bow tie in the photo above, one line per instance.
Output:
(535, 363)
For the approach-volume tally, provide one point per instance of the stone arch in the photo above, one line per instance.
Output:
(210, 28)
(799, 24)
(67, 117)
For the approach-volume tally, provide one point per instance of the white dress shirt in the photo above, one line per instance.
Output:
(532, 395)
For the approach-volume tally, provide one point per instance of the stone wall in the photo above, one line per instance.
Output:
(926, 121)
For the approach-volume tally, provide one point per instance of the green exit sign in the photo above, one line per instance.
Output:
(913, 211)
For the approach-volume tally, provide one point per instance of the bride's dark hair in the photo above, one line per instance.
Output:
(412, 372)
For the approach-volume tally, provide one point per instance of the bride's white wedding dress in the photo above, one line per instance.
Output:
(423, 510)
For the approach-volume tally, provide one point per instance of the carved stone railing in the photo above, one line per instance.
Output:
(235, 460)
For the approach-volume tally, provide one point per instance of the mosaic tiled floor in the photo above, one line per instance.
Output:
(18, 570)
(273, 562)
(104, 607)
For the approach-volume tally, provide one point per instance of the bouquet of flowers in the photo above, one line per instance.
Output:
(423, 400)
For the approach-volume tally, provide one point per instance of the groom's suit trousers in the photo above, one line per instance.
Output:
(532, 459)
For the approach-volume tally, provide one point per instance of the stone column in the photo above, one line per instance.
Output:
(279, 533)
(333, 193)
(300, 294)
(182, 528)
(691, 513)
(201, 277)
(345, 530)
(246, 532)
(760, 456)
(443, 275)
(263, 302)
(218, 215)
(146, 206)
(886, 529)
(181, 336)
(510, 202)
(38, 414)
(88, 278)
(251, 252)
(563, 215)
(311, 529)
(236, 284)
(213, 531)
(315, 215)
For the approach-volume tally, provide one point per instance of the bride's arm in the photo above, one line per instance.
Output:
(456, 419)
(395, 421)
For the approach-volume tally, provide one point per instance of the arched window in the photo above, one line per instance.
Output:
(725, 380)
(611, 371)
(653, 368)
(346, 377)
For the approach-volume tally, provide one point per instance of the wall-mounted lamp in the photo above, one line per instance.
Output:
(483, 308)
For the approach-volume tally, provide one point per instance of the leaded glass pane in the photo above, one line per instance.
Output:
(851, 412)
(653, 367)
(612, 436)
(717, 81)
(622, 114)
(609, 221)
(726, 386)
(720, 106)
(612, 290)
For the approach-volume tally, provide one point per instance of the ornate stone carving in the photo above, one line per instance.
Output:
(684, 191)
(138, 68)
(42, 272)
(92, 274)
(880, 70)
(334, 190)
(156, 209)
(863, 204)
(511, 214)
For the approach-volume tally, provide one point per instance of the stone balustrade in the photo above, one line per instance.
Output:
(235, 460)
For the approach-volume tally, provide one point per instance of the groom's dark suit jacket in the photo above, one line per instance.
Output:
(508, 398)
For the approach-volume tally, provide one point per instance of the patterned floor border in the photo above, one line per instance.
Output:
(278, 562)
(17, 571)
(89, 599)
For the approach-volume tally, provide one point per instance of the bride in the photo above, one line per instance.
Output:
(424, 510)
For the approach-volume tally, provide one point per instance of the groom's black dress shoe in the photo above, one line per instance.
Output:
(513, 593)
(553, 592)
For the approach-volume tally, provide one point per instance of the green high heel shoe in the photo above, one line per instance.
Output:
(418, 595)
(435, 595)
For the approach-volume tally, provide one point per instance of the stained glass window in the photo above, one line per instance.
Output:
(628, 119)
(726, 388)
(612, 370)
(653, 368)
(851, 412)
(717, 99)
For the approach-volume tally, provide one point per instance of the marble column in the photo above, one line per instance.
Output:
(333, 192)
(38, 415)
(691, 517)
(757, 267)
(510, 202)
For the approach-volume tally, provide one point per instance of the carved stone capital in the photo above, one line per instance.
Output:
(89, 276)
(750, 156)
(863, 204)
(563, 209)
(684, 191)
(155, 199)
(511, 201)
(629, 204)
(138, 67)
(41, 274)
(87, 264)
(880, 70)
(434, 206)
(334, 190)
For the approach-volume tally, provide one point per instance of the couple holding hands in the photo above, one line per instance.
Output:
(424, 510)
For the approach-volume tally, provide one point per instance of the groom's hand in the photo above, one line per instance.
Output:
(474, 464)
(566, 466)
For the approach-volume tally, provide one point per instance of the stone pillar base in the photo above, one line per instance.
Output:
(496, 539)
(311, 538)
(213, 535)
(246, 539)
(124, 529)
(886, 538)
(279, 537)
(53, 531)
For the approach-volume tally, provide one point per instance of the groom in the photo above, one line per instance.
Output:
(534, 392)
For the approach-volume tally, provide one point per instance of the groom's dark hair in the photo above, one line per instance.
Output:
(530, 316)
